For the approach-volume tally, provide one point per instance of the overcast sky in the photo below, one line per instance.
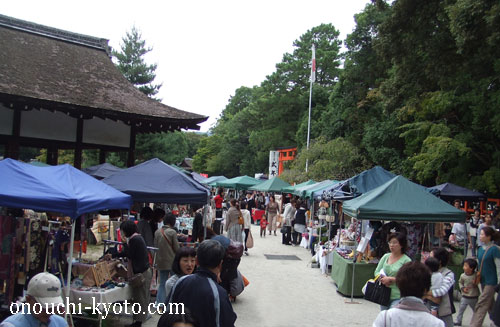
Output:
(205, 50)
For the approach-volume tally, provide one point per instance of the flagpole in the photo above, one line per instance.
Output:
(313, 73)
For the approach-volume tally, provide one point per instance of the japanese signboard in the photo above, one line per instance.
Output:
(274, 157)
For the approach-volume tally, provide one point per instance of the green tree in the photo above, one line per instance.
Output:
(130, 61)
(335, 159)
(259, 119)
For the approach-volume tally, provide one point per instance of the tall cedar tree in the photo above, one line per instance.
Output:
(130, 61)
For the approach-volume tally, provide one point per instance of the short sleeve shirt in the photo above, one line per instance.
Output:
(27, 320)
(459, 231)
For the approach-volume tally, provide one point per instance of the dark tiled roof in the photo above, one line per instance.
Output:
(59, 70)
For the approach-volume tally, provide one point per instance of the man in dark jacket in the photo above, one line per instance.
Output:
(208, 301)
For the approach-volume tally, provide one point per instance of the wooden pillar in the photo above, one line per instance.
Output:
(12, 147)
(102, 156)
(52, 155)
(131, 149)
(77, 163)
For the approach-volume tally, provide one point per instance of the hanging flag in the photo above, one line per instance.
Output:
(313, 66)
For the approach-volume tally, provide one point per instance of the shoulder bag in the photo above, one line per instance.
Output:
(166, 238)
(377, 292)
(477, 280)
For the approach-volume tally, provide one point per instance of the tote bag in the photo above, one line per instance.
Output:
(377, 292)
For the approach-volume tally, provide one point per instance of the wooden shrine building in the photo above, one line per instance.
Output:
(60, 90)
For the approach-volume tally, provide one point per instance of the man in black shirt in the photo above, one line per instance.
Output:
(207, 301)
(136, 252)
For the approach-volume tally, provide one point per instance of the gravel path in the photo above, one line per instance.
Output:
(285, 293)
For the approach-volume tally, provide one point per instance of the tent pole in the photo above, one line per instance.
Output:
(311, 223)
(70, 264)
(354, 271)
(205, 213)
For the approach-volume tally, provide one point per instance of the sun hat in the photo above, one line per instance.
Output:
(45, 288)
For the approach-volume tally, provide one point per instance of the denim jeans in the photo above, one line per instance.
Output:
(161, 295)
(473, 245)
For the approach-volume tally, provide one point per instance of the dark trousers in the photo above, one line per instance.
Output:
(247, 231)
(296, 237)
(217, 226)
(286, 237)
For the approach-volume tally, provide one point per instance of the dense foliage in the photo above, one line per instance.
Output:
(418, 93)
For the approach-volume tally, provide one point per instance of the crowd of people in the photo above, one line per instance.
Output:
(416, 287)
(205, 277)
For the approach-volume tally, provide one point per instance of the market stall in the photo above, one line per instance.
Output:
(61, 189)
(450, 192)
(238, 183)
(398, 200)
(291, 189)
(102, 171)
(274, 184)
(156, 181)
(212, 180)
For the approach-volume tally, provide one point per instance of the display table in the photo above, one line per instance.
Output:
(98, 295)
(342, 275)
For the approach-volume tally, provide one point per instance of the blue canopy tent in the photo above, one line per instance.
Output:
(212, 180)
(197, 177)
(320, 193)
(359, 184)
(155, 181)
(62, 188)
(102, 171)
(450, 192)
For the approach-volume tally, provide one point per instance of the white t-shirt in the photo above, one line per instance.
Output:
(246, 218)
(459, 231)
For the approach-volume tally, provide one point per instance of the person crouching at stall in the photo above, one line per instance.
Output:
(184, 264)
(167, 244)
(138, 269)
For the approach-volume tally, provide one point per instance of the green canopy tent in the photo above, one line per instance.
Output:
(301, 191)
(238, 183)
(291, 189)
(274, 184)
(400, 199)
(397, 200)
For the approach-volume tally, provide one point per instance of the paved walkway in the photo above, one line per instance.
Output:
(291, 293)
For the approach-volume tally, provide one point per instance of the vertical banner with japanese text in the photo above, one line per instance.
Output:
(274, 157)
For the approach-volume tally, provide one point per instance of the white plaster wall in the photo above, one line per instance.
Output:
(106, 132)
